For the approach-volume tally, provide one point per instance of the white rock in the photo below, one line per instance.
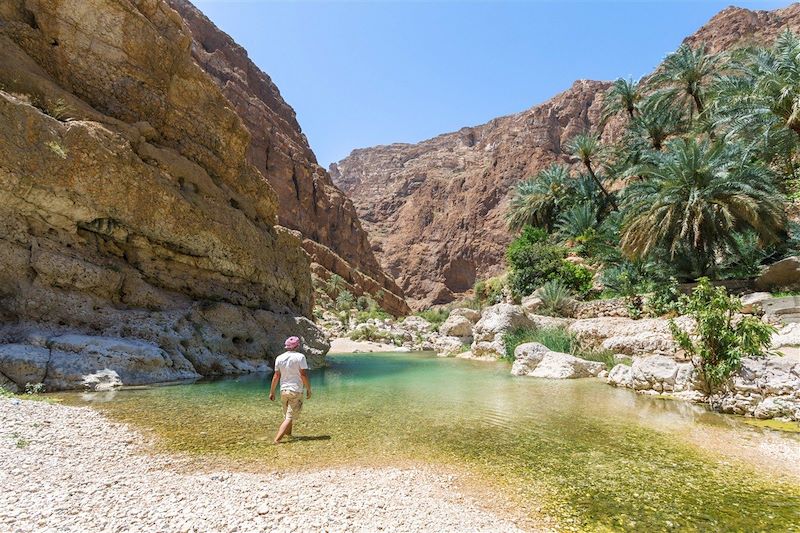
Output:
(499, 319)
(456, 326)
(470, 314)
(536, 360)
(752, 300)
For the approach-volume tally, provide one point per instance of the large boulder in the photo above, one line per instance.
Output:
(630, 337)
(448, 346)
(753, 300)
(785, 274)
(536, 360)
(499, 319)
(22, 363)
(494, 323)
(75, 357)
(787, 336)
(457, 326)
(470, 314)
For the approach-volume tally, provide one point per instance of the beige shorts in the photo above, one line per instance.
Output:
(292, 404)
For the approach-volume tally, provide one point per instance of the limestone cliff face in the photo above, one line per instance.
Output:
(434, 210)
(310, 202)
(135, 235)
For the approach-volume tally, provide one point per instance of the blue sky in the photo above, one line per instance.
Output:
(365, 73)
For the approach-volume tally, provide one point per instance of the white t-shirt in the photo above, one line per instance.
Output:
(289, 365)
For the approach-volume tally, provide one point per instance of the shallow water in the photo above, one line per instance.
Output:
(595, 457)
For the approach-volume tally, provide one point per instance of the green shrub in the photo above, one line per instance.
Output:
(490, 291)
(601, 356)
(533, 260)
(515, 337)
(554, 295)
(556, 339)
(719, 342)
(34, 388)
(577, 277)
(664, 299)
(436, 316)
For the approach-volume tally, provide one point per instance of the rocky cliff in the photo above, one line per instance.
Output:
(310, 202)
(434, 210)
(136, 237)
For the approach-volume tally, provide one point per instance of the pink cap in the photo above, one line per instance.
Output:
(292, 343)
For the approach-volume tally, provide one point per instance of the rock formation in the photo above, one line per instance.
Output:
(310, 202)
(135, 235)
(434, 210)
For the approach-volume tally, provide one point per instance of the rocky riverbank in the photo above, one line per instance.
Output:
(71, 469)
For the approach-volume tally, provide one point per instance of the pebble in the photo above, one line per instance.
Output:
(83, 472)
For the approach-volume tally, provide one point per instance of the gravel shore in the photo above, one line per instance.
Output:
(71, 469)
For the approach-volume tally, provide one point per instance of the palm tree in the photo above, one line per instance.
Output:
(657, 120)
(686, 74)
(694, 199)
(760, 100)
(535, 201)
(623, 95)
(588, 149)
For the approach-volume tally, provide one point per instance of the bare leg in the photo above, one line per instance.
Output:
(289, 429)
(285, 426)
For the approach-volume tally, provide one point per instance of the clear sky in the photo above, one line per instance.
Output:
(365, 73)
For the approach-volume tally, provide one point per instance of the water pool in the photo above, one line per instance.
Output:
(595, 457)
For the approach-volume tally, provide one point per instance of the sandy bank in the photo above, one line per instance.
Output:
(345, 345)
(71, 469)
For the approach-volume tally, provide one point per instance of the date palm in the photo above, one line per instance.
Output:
(535, 201)
(760, 100)
(588, 149)
(657, 120)
(693, 200)
(622, 96)
(686, 75)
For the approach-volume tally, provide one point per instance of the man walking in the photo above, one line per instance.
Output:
(290, 371)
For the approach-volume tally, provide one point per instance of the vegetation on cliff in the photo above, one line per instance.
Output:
(698, 183)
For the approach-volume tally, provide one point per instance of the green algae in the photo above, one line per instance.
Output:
(594, 457)
(779, 425)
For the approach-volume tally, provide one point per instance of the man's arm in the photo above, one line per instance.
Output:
(276, 377)
(304, 377)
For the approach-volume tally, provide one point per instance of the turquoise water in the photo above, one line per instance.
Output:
(589, 455)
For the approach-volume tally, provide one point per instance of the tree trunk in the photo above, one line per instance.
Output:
(608, 197)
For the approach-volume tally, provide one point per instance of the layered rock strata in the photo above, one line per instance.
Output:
(135, 236)
(309, 201)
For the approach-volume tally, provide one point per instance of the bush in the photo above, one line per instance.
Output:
(664, 299)
(720, 341)
(490, 291)
(534, 261)
(436, 316)
(554, 295)
(556, 339)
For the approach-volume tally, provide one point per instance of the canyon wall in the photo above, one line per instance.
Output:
(435, 210)
(309, 201)
(137, 240)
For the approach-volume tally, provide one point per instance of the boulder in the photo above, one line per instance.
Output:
(470, 314)
(448, 346)
(544, 321)
(494, 349)
(535, 360)
(456, 326)
(775, 407)
(22, 363)
(630, 337)
(620, 376)
(656, 373)
(787, 336)
(498, 319)
(752, 301)
(75, 357)
(785, 274)
(417, 324)
(532, 303)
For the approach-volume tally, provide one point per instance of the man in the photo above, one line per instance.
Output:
(290, 371)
